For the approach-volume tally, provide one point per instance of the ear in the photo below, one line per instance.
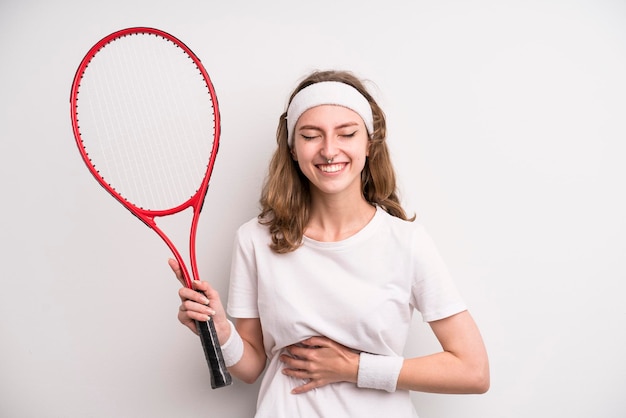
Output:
(293, 154)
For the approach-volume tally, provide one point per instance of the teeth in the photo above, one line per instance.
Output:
(331, 168)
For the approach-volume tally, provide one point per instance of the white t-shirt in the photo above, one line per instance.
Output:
(360, 292)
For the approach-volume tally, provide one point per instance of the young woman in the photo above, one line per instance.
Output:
(325, 281)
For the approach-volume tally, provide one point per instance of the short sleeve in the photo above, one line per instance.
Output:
(243, 290)
(433, 292)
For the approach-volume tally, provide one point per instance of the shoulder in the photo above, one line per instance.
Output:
(400, 226)
(251, 226)
(411, 236)
(253, 231)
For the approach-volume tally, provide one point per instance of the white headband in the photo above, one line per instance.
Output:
(328, 93)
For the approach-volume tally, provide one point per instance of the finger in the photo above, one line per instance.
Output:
(186, 294)
(306, 352)
(210, 293)
(297, 373)
(186, 316)
(188, 323)
(190, 306)
(294, 363)
(194, 311)
(317, 342)
(294, 352)
(177, 271)
(202, 287)
(184, 319)
(205, 288)
(305, 388)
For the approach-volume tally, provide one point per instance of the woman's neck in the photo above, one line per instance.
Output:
(334, 219)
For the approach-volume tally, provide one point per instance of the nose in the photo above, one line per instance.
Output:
(329, 147)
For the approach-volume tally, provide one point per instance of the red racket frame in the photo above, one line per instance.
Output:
(219, 375)
(148, 216)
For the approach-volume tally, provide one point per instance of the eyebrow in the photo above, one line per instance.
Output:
(317, 128)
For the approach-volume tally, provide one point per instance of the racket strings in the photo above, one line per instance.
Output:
(147, 120)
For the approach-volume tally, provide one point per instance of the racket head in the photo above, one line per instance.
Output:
(146, 121)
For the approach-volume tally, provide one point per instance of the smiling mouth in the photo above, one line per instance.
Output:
(331, 168)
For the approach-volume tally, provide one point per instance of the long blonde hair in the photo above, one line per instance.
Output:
(286, 196)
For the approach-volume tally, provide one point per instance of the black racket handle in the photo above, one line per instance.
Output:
(220, 377)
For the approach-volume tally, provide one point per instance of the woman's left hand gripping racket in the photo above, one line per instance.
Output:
(146, 122)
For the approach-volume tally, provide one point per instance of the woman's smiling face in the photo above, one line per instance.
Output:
(334, 133)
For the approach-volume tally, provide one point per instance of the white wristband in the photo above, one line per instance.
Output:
(379, 372)
(232, 349)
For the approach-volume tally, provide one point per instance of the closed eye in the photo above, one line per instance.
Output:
(350, 135)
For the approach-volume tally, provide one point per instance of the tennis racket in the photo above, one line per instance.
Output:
(146, 121)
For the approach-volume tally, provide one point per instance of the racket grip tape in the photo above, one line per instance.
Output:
(220, 377)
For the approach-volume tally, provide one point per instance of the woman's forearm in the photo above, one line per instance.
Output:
(462, 366)
(444, 373)
(252, 362)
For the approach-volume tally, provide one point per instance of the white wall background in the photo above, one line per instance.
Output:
(507, 128)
